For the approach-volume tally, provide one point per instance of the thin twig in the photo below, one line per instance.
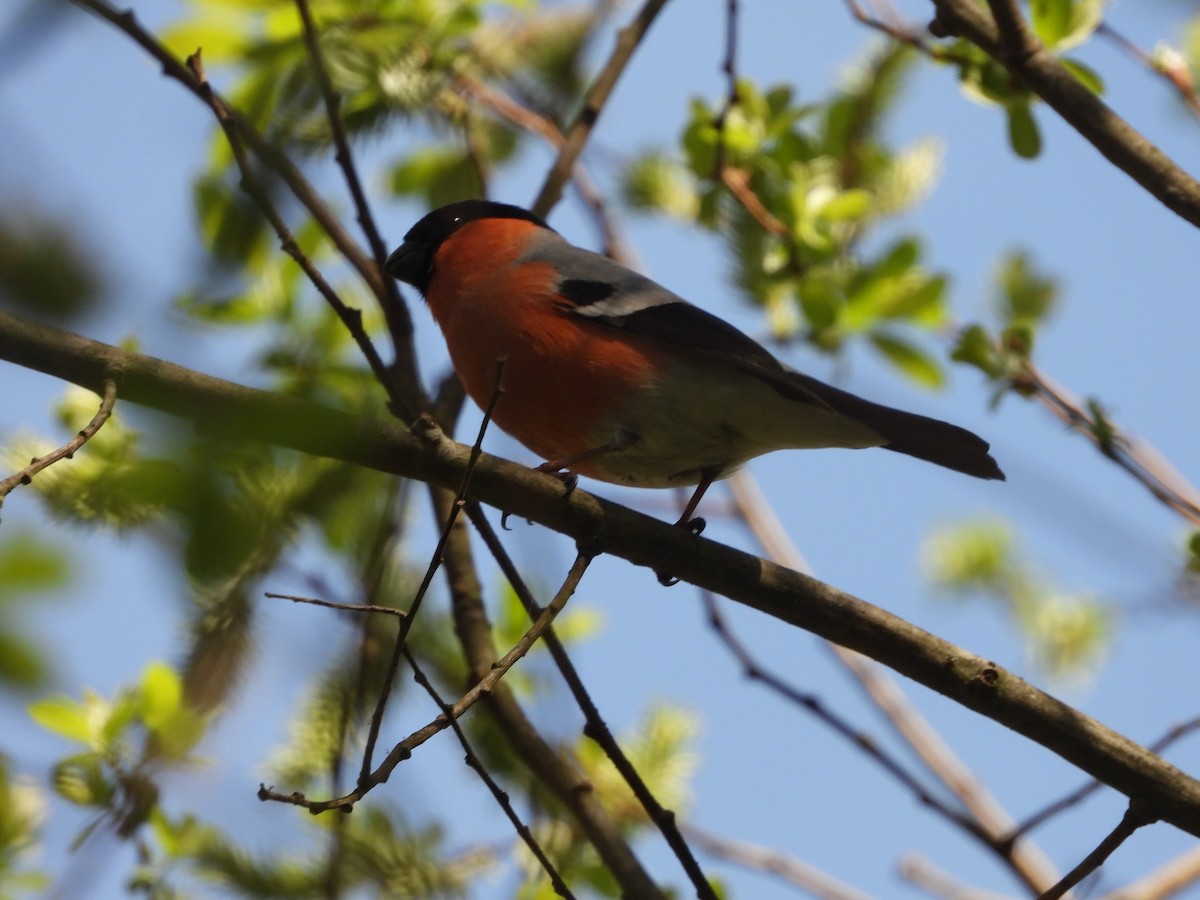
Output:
(1167, 880)
(1169, 64)
(351, 318)
(923, 874)
(595, 727)
(481, 689)
(754, 671)
(615, 247)
(763, 859)
(1133, 819)
(577, 135)
(1137, 458)
(364, 776)
(391, 301)
(498, 793)
(346, 607)
(406, 382)
(1026, 860)
(67, 450)
(1079, 795)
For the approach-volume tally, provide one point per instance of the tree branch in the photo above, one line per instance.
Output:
(1042, 73)
(577, 135)
(424, 453)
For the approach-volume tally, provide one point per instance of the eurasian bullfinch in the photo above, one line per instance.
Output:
(610, 375)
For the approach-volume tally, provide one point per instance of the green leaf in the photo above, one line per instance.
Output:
(910, 359)
(63, 716)
(1063, 24)
(975, 347)
(1193, 549)
(1084, 74)
(848, 206)
(1027, 294)
(27, 565)
(1023, 132)
(162, 693)
(22, 664)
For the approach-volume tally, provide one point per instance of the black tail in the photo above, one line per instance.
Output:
(929, 439)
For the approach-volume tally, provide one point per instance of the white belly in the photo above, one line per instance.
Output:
(715, 419)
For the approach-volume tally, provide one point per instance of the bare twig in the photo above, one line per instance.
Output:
(754, 671)
(498, 793)
(545, 762)
(481, 689)
(1137, 458)
(391, 302)
(407, 383)
(891, 26)
(351, 318)
(365, 778)
(1133, 819)
(1170, 65)
(1078, 796)
(577, 135)
(995, 825)
(925, 875)
(595, 727)
(66, 451)
(345, 607)
(1167, 880)
(615, 246)
(763, 859)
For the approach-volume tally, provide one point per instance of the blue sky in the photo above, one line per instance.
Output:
(94, 133)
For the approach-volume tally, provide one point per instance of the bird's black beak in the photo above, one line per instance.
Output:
(411, 263)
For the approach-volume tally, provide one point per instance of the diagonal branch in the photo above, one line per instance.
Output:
(425, 454)
(989, 821)
(1027, 59)
(577, 135)
(595, 727)
(393, 305)
(302, 189)
(1133, 819)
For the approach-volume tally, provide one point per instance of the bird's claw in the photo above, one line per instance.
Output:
(694, 526)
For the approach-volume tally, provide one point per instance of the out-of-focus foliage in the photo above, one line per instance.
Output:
(1025, 298)
(29, 567)
(1067, 633)
(22, 815)
(799, 192)
(44, 269)
(660, 748)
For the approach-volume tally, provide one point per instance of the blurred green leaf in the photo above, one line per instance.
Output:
(1027, 296)
(913, 361)
(975, 347)
(65, 717)
(23, 663)
(1086, 75)
(44, 268)
(1063, 24)
(1023, 133)
(28, 564)
(161, 694)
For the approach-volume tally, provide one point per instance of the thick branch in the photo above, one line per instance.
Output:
(976, 683)
(1042, 73)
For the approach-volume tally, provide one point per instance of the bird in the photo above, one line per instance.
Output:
(609, 375)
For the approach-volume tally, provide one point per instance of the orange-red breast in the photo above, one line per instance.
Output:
(610, 375)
